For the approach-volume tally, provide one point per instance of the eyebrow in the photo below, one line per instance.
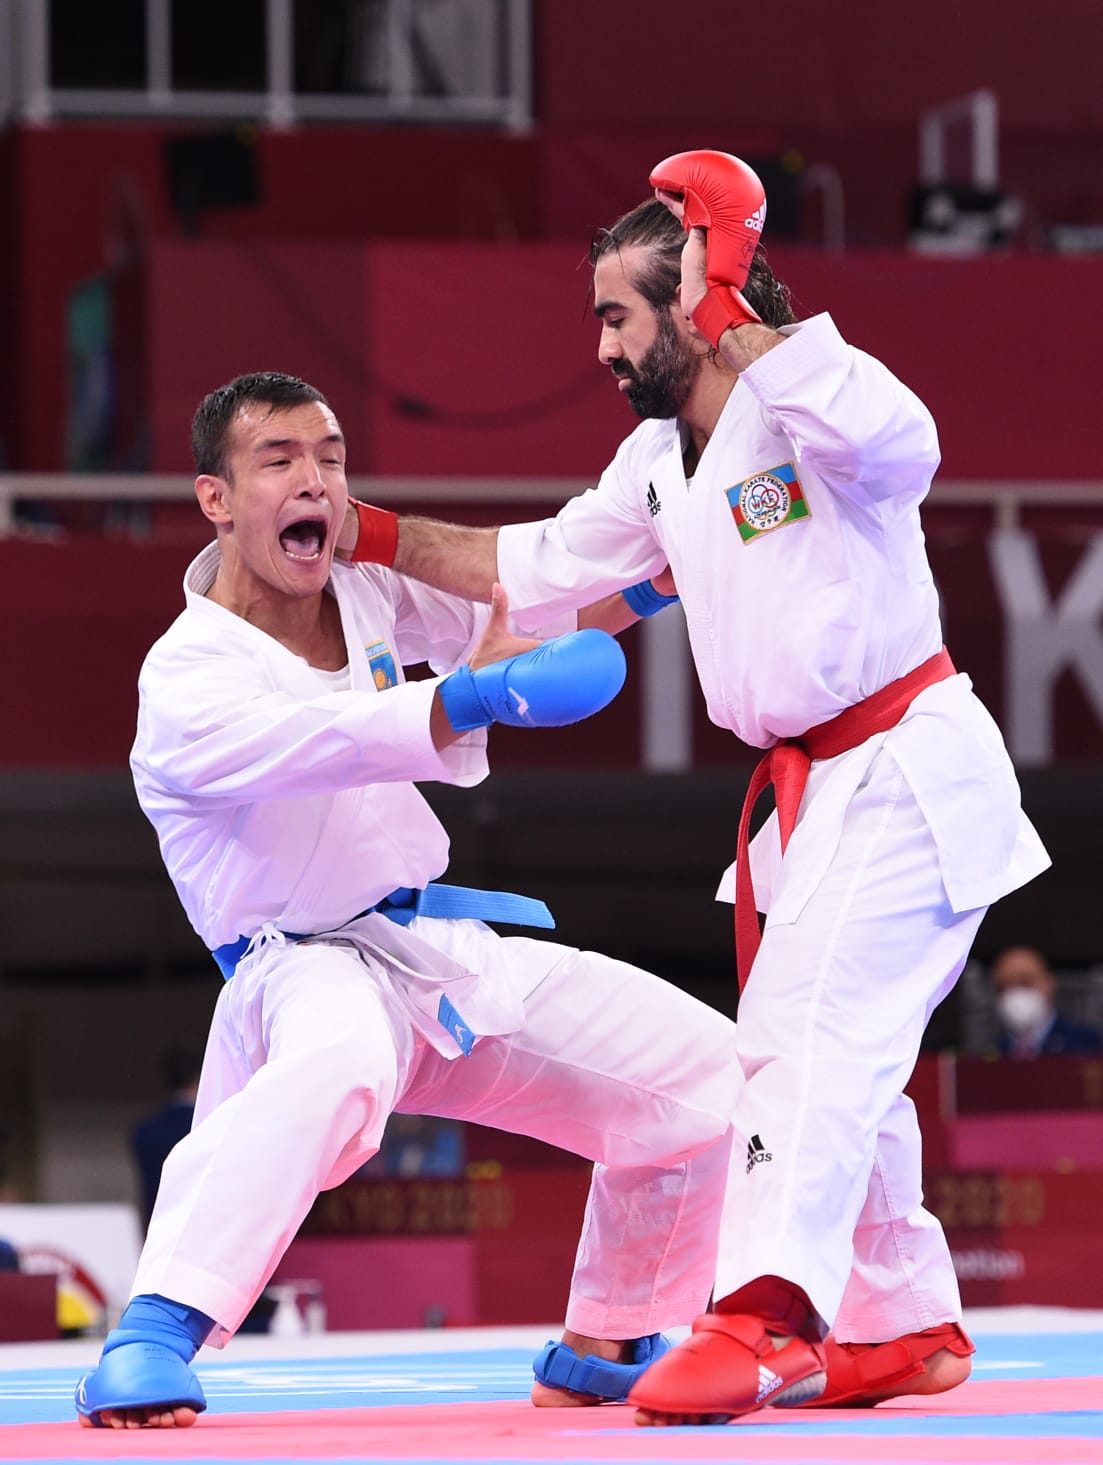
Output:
(602, 307)
(271, 443)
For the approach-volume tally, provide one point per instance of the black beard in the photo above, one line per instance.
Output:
(662, 381)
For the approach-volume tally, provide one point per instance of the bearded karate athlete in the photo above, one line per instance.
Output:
(779, 472)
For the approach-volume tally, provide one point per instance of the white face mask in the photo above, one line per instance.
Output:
(1022, 1009)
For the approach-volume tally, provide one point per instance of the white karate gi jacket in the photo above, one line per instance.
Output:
(274, 804)
(799, 558)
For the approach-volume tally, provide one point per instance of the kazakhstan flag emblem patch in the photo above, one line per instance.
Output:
(382, 665)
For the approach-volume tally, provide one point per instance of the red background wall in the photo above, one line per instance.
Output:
(497, 344)
(415, 269)
(615, 89)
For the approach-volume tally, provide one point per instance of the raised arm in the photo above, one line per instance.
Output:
(840, 407)
(718, 193)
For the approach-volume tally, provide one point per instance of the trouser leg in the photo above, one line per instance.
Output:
(325, 1057)
(828, 1034)
(902, 1279)
(624, 1069)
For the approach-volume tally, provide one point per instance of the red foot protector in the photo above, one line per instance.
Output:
(860, 1375)
(729, 1365)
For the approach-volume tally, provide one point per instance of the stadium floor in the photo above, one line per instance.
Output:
(1036, 1395)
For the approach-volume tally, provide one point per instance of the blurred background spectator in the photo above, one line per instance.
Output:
(154, 1136)
(1033, 1025)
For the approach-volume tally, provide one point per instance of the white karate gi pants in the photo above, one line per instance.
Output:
(309, 1053)
(828, 1032)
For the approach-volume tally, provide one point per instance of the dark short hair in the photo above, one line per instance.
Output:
(652, 225)
(210, 429)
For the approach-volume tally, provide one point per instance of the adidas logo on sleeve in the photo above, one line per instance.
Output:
(757, 1153)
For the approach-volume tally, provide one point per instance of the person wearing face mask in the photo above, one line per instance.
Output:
(1026, 1003)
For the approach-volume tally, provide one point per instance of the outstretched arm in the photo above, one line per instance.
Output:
(464, 561)
(451, 557)
(526, 683)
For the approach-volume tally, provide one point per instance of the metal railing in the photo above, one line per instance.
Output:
(1006, 499)
(432, 61)
(666, 705)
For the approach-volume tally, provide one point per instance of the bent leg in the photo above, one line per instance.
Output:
(326, 1054)
(325, 1051)
(829, 1031)
(625, 1069)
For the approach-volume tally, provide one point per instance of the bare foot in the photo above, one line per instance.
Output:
(179, 1417)
(545, 1397)
(648, 1420)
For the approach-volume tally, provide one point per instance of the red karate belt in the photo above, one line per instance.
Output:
(786, 766)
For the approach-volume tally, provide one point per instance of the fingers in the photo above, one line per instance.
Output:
(675, 202)
(499, 608)
(498, 639)
(694, 283)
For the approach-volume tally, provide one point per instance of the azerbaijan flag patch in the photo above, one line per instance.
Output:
(766, 501)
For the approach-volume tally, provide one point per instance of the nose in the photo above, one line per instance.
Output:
(311, 480)
(608, 348)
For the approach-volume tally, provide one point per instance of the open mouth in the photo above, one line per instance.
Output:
(303, 540)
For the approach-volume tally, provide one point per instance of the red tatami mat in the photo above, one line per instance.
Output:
(1035, 1398)
(899, 1432)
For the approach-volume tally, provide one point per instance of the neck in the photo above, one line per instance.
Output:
(714, 385)
(310, 628)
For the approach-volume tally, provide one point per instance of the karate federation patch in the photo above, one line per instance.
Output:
(766, 501)
(382, 665)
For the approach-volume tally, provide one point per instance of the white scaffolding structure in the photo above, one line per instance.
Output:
(481, 50)
(978, 112)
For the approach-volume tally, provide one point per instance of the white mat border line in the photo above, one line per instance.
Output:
(79, 1353)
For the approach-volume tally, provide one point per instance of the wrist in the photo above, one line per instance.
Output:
(462, 704)
(645, 600)
(376, 534)
(722, 309)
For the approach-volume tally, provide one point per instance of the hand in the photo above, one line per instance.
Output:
(717, 193)
(664, 582)
(498, 641)
(546, 684)
(694, 281)
(720, 193)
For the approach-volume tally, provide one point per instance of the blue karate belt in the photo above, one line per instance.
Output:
(448, 902)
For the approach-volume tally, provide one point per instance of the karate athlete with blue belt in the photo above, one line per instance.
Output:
(779, 472)
(276, 754)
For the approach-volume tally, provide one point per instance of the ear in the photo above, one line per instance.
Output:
(683, 322)
(211, 493)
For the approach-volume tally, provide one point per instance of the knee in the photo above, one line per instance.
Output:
(341, 1076)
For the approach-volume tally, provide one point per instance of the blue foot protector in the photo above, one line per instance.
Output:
(559, 1367)
(145, 1360)
(139, 1376)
